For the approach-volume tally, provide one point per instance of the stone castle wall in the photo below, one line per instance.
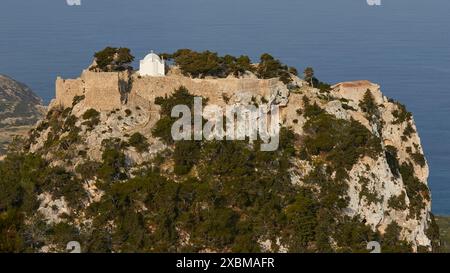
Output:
(106, 91)
(213, 89)
(66, 90)
(355, 90)
(102, 90)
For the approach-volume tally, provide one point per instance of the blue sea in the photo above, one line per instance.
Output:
(404, 45)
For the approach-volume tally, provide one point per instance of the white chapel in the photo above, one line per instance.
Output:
(152, 65)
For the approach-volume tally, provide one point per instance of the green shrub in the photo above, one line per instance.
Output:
(352, 235)
(391, 241)
(88, 169)
(398, 202)
(113, 165)
(237, 66)
(186, 154)
(369, 106)
(70, 122)
(392, 160)
(72, 138)
(198, 64)
(416, 191)
(324, 87)
(207, 63)
(91, 114)
(92, 118)
(308, 76)
(401, 114)
(409, 130)
(113, 59)
(162, 129)
(77, 99)
(163, 126)
(269, 67)
(180, 96)
(419, 158)
(342, 142)
(311, 110)
(370, 196)
(54, 119)
(302, 221)
(139, 142)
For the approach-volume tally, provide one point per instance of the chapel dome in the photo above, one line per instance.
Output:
(152, 57)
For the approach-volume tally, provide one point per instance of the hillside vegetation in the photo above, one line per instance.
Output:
(349, 170)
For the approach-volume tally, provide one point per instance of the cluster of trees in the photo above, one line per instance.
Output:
(207, 63)
(310, 78)
(112, 59)
(269, 67)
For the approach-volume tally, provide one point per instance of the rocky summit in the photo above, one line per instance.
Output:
(102, 169)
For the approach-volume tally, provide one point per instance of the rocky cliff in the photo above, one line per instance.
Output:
(351, 169)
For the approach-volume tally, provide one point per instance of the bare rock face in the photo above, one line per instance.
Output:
(20, 108)
(52, 210)
(384, 179)
(389, 187)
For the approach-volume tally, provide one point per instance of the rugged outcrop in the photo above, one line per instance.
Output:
(349, 134)
(20, 109)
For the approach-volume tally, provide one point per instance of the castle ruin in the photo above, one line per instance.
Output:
(106, 91)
